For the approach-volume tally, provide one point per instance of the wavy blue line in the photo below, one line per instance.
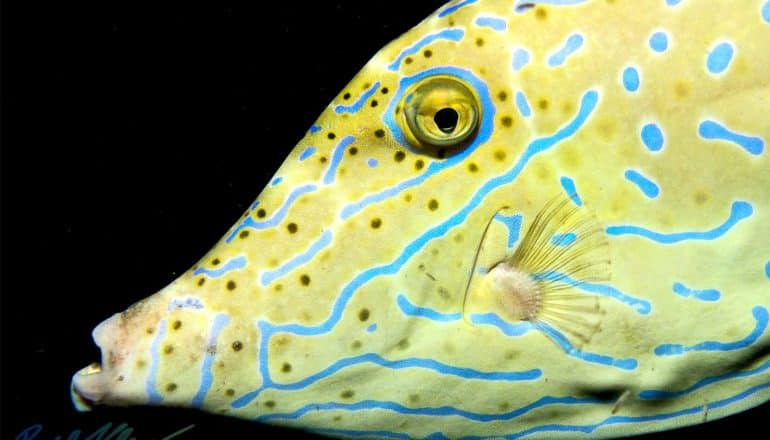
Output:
(739, 211)
(314, 128)
(307, 152)
(760, 315)
(647, 186)
(703, 295)
(207, 378)
(248, 222)
(520, 59)
(153, 396)
(709, 129)
(337, 154)
(767, 269)
(663, 394)
(612, 420)
(436, 411)
(641, 306)
(450, 9)
(356, 106)
(495, 23)
(507, 328)
(271, 275)
(234, 263)
(522, 104)
(573, 43)
(569, 187)
(513, 223)
(410, 309)
(451, 34)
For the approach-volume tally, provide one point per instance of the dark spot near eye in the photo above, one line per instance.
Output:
(261, 213)
(541, 14)
(229, 392)
(379, 133)
(433, 204)
(451, 21)
(524, 6)
(292, 228)
(355, 345)
(347, 394)
(403, 344)
(446, 119)
(366, 85)
(322, 159)
(543, 104)
(502, 96)
(427, 53)
(243, 234)
(346, 96)
(363, 315)
(479, 42)
(331, 135)
(150, 330)
(215, 261)
(270, 404)
(170, 387)
(304, 279)
(407, 198)
(374, 103)
(353, 151)
(168, 349)
(286, 367)
(237, 345)
(384, 90)
(201, 281)
(408, 60)
(419, 164)
(231, 285)
(507, 121)
(278, 287)
(399, 156)
(176, 325)
(472, 167)
(376, 223)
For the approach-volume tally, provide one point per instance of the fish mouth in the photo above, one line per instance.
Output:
(91, 385)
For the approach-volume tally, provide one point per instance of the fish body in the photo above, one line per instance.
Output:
(609, 162)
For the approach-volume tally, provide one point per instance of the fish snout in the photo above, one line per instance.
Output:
(90, 385)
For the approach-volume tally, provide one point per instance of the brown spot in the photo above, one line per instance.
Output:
(347, 394)
(399, 156)
(346, 96)
(170, 387)
(229, 392)
(407, 198)
(419, 164)
(243, 234)
(168, 349)
(542, 104)
(201, 280)
(408, 60)
(215, 261)
(375, 223)
(176, 325)
(681, 89)
(150, 330)
(379, 133)
(237, 345)
(701, 197)
(374, 103)
(384, 90)
(304, 279)
(479, 42)
(458, 238)
(292, 228)
(353, 151)
(231, 285)
(278, 287)
(433, 204)
(403, 344)
(472, 167)
(322, 159)
(286, 367)
(427, 53)
(502, 96)
(541, 14)
(507, 121)
(355, 345)
(500, 155)
(270, 404)
(363, 315)
(261, 213)
(414, 398)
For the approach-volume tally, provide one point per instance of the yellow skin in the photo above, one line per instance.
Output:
(349, 298)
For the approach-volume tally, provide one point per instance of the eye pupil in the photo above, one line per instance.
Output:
(446, 119)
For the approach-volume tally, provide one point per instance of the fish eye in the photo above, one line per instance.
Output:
(440, 111)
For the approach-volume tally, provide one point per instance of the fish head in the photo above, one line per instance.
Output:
(442, 229)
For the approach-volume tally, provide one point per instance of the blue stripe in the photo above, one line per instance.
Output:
(523, 104)
(356, 106)
(647, 186)
(248, 222)
(450, 9)
(703, 295)
(337, 154)
(569, 187)
(494, 23)
(659, 42)
(630, 79)
(150, 386)
(563, 239)
(271, 275)
(573, 43)
(641, 306)
(664, 394)
(520, 58)
(739, 211)
(207, 378)
(451, 34)
(513, 224)
(410, 309)
(235, 263)
(307, 152)
(719, 58)
(713, 130)
(652, 137)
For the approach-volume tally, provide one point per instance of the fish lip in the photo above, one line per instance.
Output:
(90, 385)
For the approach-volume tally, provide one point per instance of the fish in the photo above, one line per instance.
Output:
(577, 219)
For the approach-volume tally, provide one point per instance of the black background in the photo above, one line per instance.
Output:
(134, 135)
